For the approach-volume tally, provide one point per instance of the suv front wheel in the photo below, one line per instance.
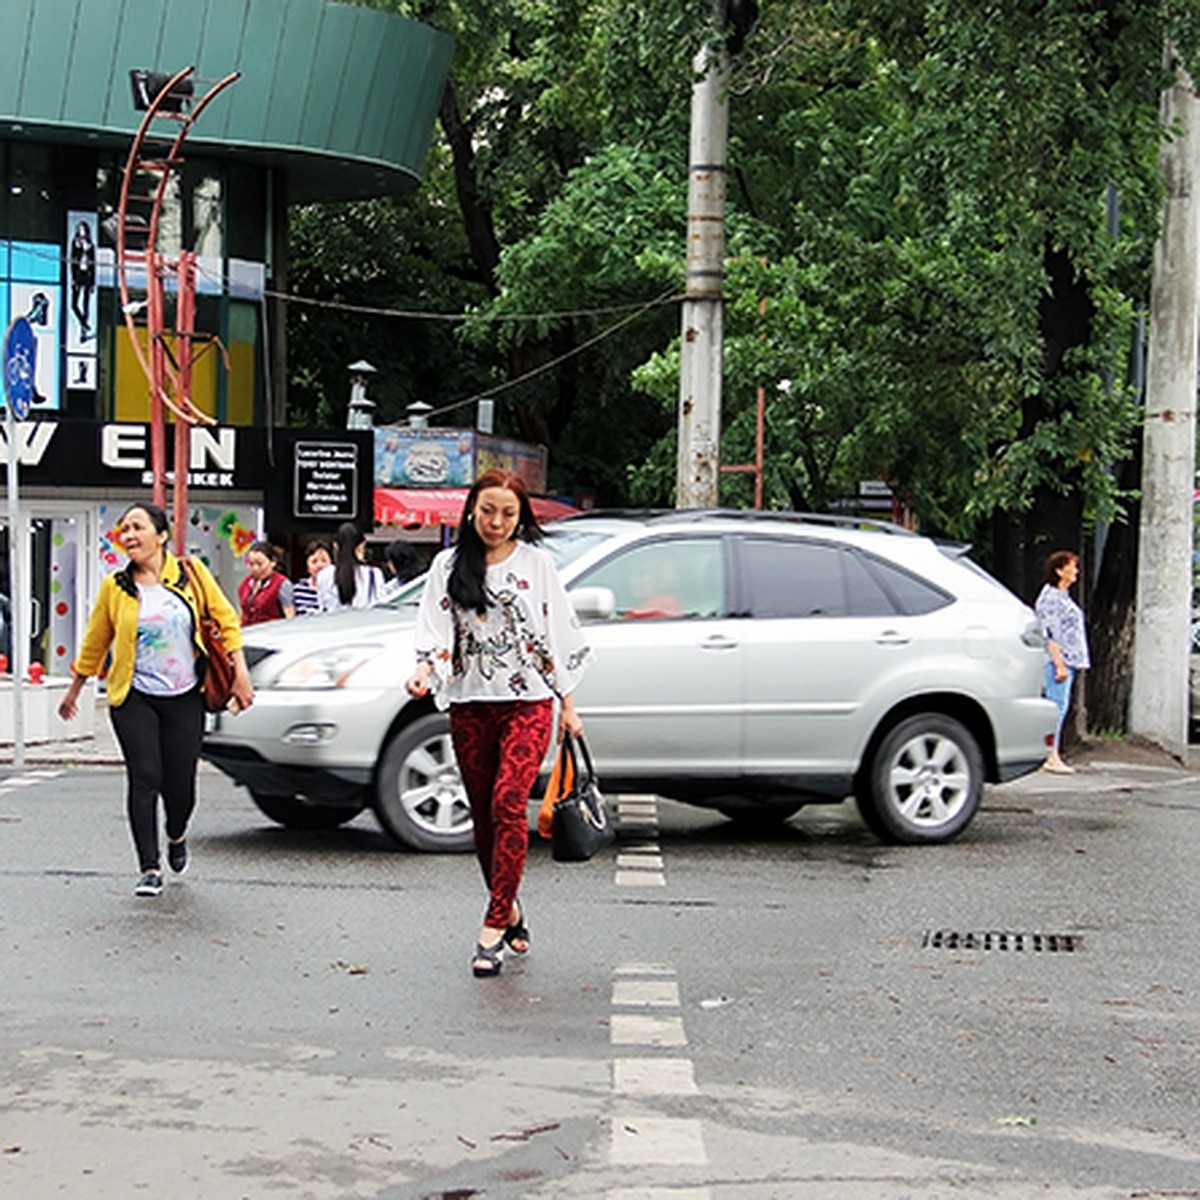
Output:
(419, 796)
(925, 781)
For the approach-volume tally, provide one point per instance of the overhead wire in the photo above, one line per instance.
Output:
(491, 392)
(632, 311)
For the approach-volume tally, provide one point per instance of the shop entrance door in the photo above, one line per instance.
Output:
(56, 595)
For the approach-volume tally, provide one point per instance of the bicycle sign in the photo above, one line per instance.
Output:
(20, 366)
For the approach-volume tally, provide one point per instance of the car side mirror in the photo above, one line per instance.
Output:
(593, 603)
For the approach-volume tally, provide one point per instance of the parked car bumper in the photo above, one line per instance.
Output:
(1024, 731)
(323, 745)
(335, 786)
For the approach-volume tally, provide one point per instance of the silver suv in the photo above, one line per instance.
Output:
(747, 662)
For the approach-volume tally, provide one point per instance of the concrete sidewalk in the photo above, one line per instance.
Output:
(96, 749)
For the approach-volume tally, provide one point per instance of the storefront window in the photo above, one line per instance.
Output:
(58, 202)
(33, 208)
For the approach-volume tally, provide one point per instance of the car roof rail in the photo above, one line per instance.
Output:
(689, 516)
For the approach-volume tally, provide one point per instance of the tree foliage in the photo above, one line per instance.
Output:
(941, 219)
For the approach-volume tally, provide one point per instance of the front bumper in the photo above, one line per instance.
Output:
(321, 745)
(349, 786)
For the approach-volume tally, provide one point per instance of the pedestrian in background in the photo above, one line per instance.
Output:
(1065, 635)
(498, 641)
(148, 615)
(317, 554)
(266, 594)
(350, 582)
(401, 562)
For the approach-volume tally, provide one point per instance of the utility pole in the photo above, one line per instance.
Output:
(702, 326)
(1158, 707)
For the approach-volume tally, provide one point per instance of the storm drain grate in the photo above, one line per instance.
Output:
(1039, 943)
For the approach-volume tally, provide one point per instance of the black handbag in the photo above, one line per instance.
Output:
(581, 819)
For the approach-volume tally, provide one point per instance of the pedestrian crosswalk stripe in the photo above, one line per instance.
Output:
(649, 1139)
(639, 1029)
(646, 993)
(654, 1076)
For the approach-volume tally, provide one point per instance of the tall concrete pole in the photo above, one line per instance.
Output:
(702, 327)
(1158, 706)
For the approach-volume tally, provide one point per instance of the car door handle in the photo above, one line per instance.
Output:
(717, 642)
(892, 637)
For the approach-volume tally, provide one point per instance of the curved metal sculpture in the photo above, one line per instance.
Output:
(142, 272)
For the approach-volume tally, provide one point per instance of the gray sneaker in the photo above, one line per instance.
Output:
(150, 884)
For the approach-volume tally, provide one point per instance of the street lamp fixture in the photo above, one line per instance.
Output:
(360, 413)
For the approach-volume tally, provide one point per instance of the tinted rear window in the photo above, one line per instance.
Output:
(786, 578)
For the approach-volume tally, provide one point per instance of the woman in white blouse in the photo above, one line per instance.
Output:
(497, 642)
(349, 582)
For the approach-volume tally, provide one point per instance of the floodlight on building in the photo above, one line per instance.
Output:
(147, 86)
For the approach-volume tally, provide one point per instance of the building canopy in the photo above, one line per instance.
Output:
(341, 97)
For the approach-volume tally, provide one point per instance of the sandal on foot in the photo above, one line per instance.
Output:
(516, 935)
(487, 960)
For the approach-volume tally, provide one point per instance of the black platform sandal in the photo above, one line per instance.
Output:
(487, 960)
(518, 931)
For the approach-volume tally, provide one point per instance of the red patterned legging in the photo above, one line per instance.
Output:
(500, 746)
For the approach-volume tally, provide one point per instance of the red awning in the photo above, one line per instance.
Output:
(416, 507)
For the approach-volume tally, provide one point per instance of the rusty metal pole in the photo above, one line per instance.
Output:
(185, 327)
(702, 324)
(158, 373)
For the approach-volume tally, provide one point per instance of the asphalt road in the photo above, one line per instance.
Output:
(708, 1013)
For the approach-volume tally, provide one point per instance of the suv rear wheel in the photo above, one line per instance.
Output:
(925, 782)
(419, 796)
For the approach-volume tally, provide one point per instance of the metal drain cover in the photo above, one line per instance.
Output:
(991, 939)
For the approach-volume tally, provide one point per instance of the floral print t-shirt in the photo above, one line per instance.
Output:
(166, 657)
(529, 644)
(1062, 621)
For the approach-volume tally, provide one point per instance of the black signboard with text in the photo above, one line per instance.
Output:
(322, 478)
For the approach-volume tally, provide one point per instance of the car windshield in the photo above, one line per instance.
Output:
(563, 545)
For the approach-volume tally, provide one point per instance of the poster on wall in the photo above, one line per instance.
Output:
(80, 317)
(38, 303)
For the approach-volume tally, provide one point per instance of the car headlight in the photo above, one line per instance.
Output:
(329, 667)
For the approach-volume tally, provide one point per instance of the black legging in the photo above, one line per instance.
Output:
(160, 739)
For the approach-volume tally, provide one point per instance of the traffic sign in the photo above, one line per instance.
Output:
(20, 365)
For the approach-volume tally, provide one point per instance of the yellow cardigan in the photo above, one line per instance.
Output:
(114, 622)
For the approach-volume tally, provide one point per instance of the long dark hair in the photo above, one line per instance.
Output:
(470, 562)
(349, 538)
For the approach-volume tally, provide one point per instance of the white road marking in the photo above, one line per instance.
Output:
(638, 1029)
(654, 1076)
(648, 1139)
(646, 993)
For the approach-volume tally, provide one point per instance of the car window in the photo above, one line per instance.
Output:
(785, 578)
(909, 593)
(663, 580)
(865, 596)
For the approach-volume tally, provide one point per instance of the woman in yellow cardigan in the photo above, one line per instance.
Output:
(147, 614)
